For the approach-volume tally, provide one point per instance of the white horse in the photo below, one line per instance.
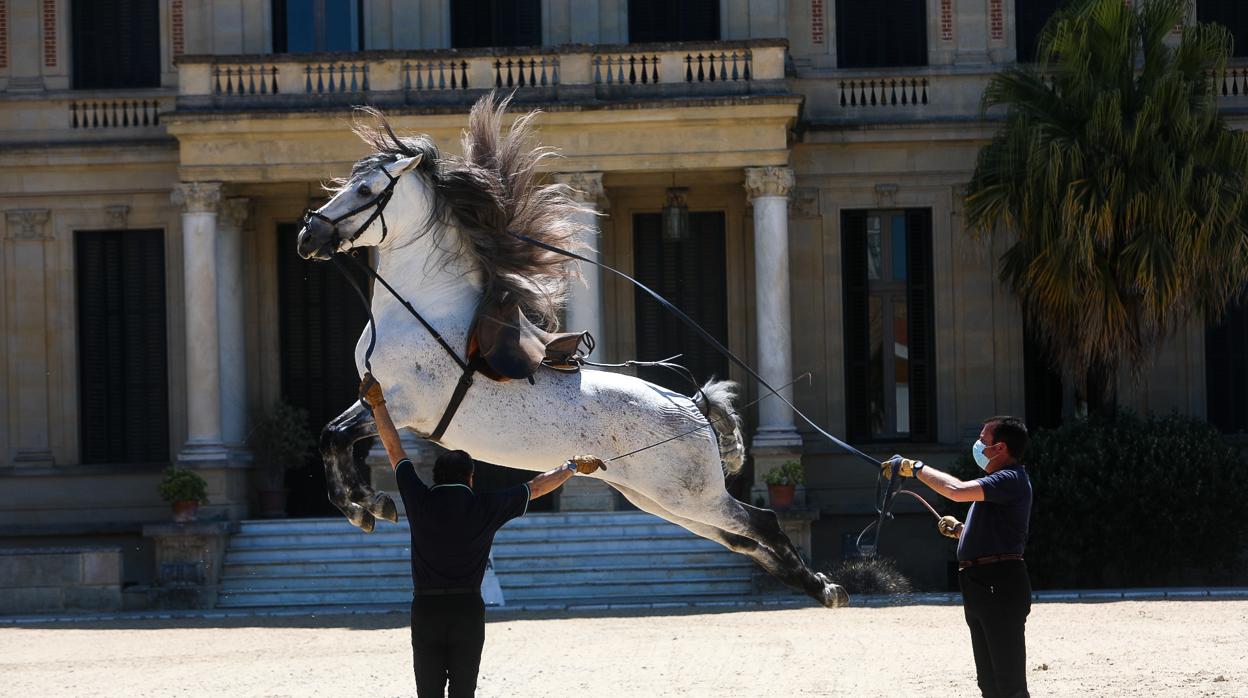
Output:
(443, 227)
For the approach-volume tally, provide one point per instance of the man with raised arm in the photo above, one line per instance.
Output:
(996, 591)
(453, 527)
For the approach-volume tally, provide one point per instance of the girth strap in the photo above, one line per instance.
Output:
(457, 397)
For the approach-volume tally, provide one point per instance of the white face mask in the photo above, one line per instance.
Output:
(978, 451)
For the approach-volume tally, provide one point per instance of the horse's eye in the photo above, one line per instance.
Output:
(364, 190)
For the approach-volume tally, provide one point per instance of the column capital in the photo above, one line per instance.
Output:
(197, 197)
(235, 212)
(768, 181)
(586, 187)
(27, 223)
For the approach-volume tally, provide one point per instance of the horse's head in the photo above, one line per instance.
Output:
(386, 190)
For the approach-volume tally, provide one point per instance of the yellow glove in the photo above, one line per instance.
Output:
(370, 391)
(949, 527)
(909, 468)
(587, 464)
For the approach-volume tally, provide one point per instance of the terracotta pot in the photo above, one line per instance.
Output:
(781, 496)
(185, 511)
(273, 503)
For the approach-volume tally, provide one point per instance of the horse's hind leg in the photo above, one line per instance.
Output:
(348, 485)
(778, 556)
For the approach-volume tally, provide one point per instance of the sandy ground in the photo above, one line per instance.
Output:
(1147, 648)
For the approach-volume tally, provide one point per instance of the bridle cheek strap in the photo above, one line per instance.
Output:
(378, 204)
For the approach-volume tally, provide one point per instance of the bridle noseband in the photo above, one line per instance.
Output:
(378, 202)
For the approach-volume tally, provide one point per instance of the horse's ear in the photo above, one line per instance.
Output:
(400, 167)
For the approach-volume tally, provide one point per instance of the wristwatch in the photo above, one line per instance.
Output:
(916, 467)
(570, 466)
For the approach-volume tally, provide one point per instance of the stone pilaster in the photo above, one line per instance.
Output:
(199, 201)
(235, 213)
(27, 233)
(584, 308)
(776, 439)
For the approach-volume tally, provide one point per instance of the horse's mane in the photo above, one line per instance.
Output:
(489, 193)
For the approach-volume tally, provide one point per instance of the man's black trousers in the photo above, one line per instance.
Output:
(447, 635)
(996, 599)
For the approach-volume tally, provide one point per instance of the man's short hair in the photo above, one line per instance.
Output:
(452, 468)
(1011, 431)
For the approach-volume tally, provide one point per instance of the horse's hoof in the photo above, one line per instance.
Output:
(362, 519)
(383, 507)
(834, 595)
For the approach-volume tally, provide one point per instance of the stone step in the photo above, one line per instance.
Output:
(579, 544)
(565, 578)
(399, 594)
(400, 535)
(588, 518)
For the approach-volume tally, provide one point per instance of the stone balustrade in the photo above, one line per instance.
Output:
(85, 115)
(416, 77)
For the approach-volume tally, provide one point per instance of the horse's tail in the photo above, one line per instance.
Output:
(715, 400)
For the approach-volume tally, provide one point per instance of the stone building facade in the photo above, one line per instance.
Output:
(156, 155)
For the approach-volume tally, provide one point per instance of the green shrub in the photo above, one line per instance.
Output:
(1133, 501)
(280, 439)
(791, 473)
(180, 485)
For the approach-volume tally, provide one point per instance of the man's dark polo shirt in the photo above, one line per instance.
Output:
(998, 524)
(453, 528)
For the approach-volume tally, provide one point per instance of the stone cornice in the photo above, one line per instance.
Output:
(586, 187)
(27, 223)
(768, 181)
(197, 197)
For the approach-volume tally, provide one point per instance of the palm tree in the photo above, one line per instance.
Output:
(1120, 189)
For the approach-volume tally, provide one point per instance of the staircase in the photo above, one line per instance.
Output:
(541, 560)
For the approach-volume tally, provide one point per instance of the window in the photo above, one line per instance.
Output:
(880, 33)
(1029, 20)
(1226, 370)
(890, 381)
(482, 23)
(1232, 14)
(116, 43)
(302, 26)
(652, 21)
(122, 365)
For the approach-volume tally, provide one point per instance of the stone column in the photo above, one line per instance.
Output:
(584, 308)
(27, 335)
(777, 439)
(234, 215)
(199, 201)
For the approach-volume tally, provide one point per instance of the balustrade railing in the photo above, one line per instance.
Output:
(1232, 83)
(882, 92)
(409, 77)
(114, 113)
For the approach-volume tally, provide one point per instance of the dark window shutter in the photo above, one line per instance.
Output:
(857, 332)
(486, 23)
(1226, 371)
(115, 43)
(122, 357)
(1232, 14)
(692, 275)
(1030, 16)
(921, 325)
(881, 33)
(651, 21)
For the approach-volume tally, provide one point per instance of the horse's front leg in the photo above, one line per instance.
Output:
(347, 480)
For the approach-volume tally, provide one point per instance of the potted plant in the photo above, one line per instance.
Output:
(280, 440)
(782, 482)
(185, 491)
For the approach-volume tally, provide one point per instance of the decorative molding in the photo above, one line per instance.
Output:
(236, 212)
(118, 216)
(886, 195)
(197, 197)
(4, 34)
(806, 203)
(49, 33)
(996, 20)
(27, 223)
(946, 20)
(768, 181)
(177, 28)
(586, 187)
(816, 22)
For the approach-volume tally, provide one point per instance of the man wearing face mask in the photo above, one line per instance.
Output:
(996, 592)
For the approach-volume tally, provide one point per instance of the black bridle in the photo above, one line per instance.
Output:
(378, 202)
